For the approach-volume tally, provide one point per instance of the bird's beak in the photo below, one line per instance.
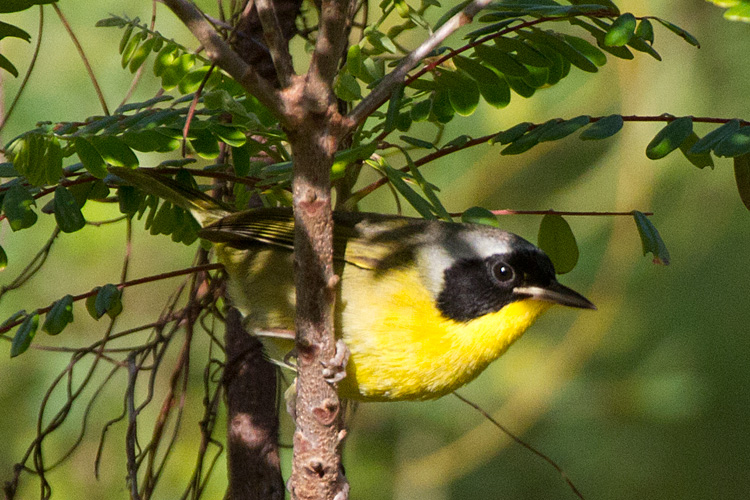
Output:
(557, 293)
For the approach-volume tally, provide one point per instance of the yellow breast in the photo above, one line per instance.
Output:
(401, 346)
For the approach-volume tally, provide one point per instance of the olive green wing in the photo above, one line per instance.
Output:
(204, 208)
(364, 240)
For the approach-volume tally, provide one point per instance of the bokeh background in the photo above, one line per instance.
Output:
(645, 398)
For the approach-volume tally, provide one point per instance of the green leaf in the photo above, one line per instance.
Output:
(420, 111)
(739, 12)
(621, 31)
(603, 128)
(419, 143)
(8, 66)
(8, 30)
(147, 141)
(205, 144)
(394, 105)
(530, 139)
(496, 95)
(650, 239)
(525, 53)
(558, 242)
(90, 157)
(229, 135)
(480, 215)
(437, 205)
(91, 304)
(645, 30)
(742, 177)
(510, 135)
(3, 259)
(59, 316)
(108, 300)
(193, 79)
(679, 31)
(736, 144)
(130, 47)
(347, 88)
(24, 335)
(421, 205)
(700, 160)
(502, 61)
(67, 212)
(670, 138)
(115, 152)
(441, 107)
(592, 53)
(17, 204)
(165, 58)
(714, 137)
(354, 60)
(125, 37)
(564, 128)
(558, 43)
(464, 98)
(140, 55)
(19, 5)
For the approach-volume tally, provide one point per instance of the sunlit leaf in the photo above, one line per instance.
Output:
(90, 157)
(3, 259)
(621, 31)
(115, 152)
(700, 160)
(651, 239)
(670, 138)
(421, 205)
(480, 215)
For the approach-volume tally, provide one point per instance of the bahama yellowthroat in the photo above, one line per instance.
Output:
(423, 305)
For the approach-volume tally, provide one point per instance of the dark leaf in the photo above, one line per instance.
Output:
(736, 144)
(90, 157)
(59, 316)
(558, 242)
(24, 335)
(650, 239)
(17, 204)
(603, 128)
(714, 137)
(742, 177)
(67, 212)
(700, 160)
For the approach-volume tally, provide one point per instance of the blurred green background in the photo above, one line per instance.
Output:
(645, 398)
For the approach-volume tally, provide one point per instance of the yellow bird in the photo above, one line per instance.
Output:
(423, 305)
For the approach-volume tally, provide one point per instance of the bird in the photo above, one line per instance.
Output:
(422, 306)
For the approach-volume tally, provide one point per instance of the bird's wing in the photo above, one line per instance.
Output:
(364, 240)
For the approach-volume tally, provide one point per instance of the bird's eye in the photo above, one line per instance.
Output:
(502, 272)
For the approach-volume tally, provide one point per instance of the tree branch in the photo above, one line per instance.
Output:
(277, 44)
(220, 53)
(381, 93)
(252, 420)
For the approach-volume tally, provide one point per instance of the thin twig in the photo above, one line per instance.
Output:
(384, 89)
(219, 52)
(32, 64)
(522, 443)
(277, 45)
(85, 60)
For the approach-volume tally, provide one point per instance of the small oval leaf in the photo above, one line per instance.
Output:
(670, 138)
(651, 239)
(558, 242)
(67, 211)
(24, 335)
(480, 215)
(59, 316)
(603, 128)
(742, 177)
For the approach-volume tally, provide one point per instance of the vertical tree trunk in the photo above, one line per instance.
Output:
(316, 468)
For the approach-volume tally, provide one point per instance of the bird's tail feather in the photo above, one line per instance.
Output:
(204, 208)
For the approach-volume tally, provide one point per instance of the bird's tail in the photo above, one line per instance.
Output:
(204, 208)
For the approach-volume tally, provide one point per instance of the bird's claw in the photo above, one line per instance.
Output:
(334, 370)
